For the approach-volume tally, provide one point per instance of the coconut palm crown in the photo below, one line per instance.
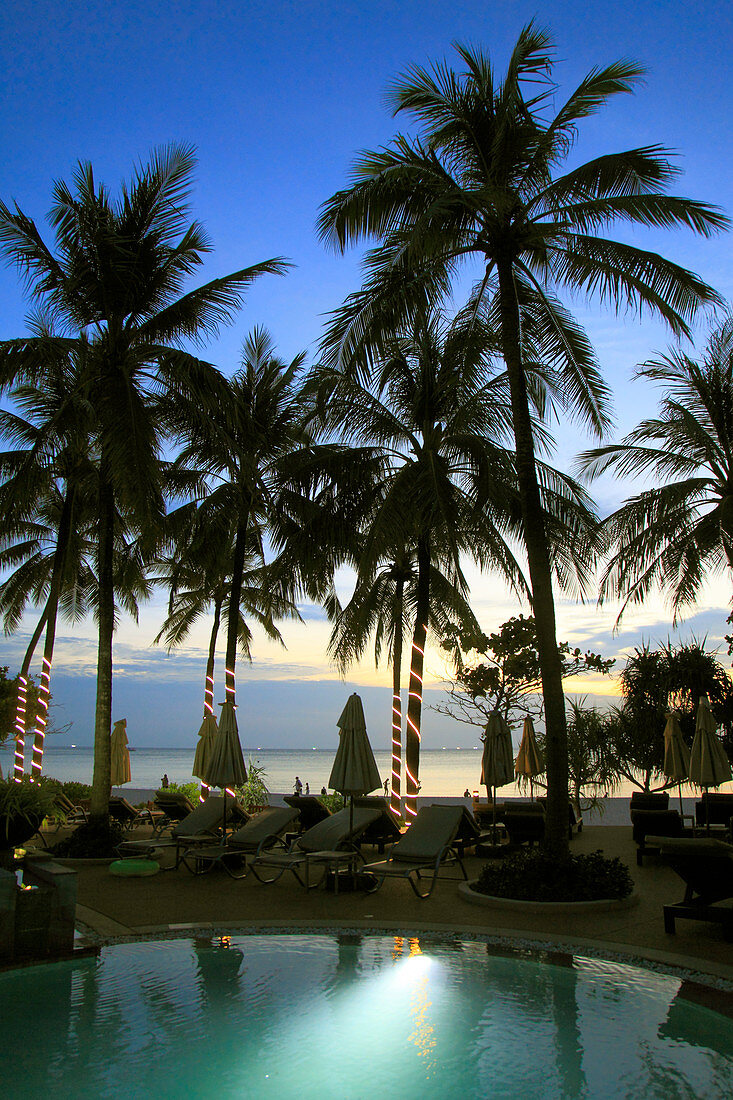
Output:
(679, 531)
(483, 181)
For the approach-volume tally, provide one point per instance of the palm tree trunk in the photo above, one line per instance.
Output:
(414, 700)
(235, 594)
(543, 604)
(22, 700)
(209, 688)
(396, 785)
(101, 783)
(52, 607)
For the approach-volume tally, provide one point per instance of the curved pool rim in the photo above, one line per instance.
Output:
(712, 987)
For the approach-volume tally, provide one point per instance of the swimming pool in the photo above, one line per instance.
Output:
(350, 1016)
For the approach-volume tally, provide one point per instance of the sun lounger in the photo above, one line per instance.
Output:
(329, 844)
(66, 813)
(645, 800)
(174, 807)
(125, 814)
(523, 821)
(714, 810)
(261, 832)
(385, 830)
(201, 826)
(426, 846)
(655, 823)
(469, 832)
(706, 867)
(310, 808)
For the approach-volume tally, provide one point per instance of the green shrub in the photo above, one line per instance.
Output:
(191, 790)
(532, 876)
(254, 792)
(23, 802)
(333, 802)
(76, 792)
(93, 840)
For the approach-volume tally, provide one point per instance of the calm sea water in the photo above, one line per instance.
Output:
(443, 772)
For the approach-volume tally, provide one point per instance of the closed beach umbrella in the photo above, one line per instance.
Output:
(119, 755)
(497, 759)
(354, 770)
(529, 762)
(204, 746)
(709, 765)
(676, 753)
(225, 768)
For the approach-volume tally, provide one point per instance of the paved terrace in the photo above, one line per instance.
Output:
(177, 900)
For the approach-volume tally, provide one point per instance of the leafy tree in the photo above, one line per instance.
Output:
(679, 531)
(509, 677)
(653, 682)
(115, 284)
(482, 181)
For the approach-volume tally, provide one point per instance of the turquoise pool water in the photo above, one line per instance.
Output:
(353, 1016)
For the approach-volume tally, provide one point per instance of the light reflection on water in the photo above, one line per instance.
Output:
(352, 1016)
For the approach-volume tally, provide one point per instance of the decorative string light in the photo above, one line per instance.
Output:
(19, 761)
(41, 719)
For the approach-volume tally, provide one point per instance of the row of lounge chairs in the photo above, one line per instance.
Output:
(270, 845)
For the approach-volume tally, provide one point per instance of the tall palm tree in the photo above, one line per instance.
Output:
(680, 530)
(46, 508)
(482, 182)
(233, 453)
(448, 487)
(117, 278)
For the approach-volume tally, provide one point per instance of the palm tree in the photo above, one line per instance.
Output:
(46, 509)
(117, 276)
(197, 571)
(447, 486)
(233, 455)
(482, 182)
(679, 531)
(380, 607)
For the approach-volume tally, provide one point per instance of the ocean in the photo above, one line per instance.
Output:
(444, 773)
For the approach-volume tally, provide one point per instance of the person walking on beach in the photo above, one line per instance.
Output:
(307, 788)
(164, 781)
(298, 786)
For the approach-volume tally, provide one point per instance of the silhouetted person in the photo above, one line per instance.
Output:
(307, 788)
(164, 781)
(298, 786)
(323, 790)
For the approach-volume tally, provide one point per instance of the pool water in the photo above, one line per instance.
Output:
(353, 1016)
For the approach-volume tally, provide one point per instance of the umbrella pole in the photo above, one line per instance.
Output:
(493, 816)
(679, 788)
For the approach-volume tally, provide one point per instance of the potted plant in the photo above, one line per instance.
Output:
(23, 807)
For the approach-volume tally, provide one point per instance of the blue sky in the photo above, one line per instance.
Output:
(278, 97)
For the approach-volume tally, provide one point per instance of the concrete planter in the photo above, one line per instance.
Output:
(546, 908)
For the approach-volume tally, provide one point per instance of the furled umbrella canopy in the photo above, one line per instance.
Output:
(119, 755)
(709, 765)
(354, 770)
(497, 759)
(204, 746)
(225, 767)
(676, 765)
(530, 761)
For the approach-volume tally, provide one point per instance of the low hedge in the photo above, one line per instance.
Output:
(92, 840)
(533, 876)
